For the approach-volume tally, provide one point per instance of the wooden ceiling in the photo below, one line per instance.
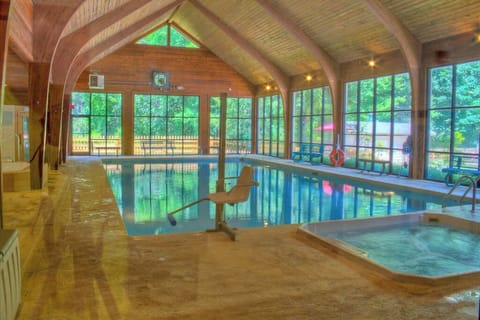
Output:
(71, 34)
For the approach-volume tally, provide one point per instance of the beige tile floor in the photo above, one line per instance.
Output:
(78, 263)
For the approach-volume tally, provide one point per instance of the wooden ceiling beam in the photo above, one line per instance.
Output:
(46, 34)
(410, 46)
(330, 67)
(21, 21)
(278, 75)
(113, 43)
(71, 44)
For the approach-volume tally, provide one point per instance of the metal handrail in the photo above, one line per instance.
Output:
(472, 183)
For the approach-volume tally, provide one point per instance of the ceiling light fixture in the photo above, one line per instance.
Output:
(309, 77)
(372, 63)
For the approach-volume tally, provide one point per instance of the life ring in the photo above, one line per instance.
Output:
(337, 157)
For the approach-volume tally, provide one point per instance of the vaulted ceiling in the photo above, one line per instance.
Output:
(264, 40)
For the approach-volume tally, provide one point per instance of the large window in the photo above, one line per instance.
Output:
(270, 126)
(453, 115)
(165, 124)
(377, 121)
(96, 123)
(312, 119)
(239, 124)
(168, 35)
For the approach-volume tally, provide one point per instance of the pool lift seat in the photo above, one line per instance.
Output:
(239, 193)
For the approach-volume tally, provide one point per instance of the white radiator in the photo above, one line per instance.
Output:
(10, 274)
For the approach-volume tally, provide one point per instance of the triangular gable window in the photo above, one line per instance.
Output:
(166, 36)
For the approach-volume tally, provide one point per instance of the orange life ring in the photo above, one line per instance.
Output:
(337, 157)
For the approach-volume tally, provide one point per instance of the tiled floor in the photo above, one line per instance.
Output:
(78, 263)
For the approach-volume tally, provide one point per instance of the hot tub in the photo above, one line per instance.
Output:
(424, 248)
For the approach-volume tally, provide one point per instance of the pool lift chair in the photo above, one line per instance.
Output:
(238, 193)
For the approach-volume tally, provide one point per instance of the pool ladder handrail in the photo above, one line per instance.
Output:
(472, 183)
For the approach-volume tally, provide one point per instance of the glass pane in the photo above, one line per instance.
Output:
(350, 129)
(80, 134)
(435, 163)
(439, 131)
(384, 94)
(232, 107)
(81, 103)
(245, 108)
(142, 105)
(352, 96)
(214, 107)
(159, 128)
(177, 39)
(80, 125)
(114, 127)
(244, 129)
(141, 127)
(467, 84)
(307, 102)
(232, 128)
(328, 107)
(98, 127)
(297, 103)
(317, 101)
(401, 128)
(158, 37)
(174, 129)
(366, 95)
(403, 92)
(382, 131)
(175, 106)
(159, 105)
(328, 134)
(214, 127)
(191, 106)
(99, 104)
(441, 87)
(466, 135)
(190, 127)
(114, 104)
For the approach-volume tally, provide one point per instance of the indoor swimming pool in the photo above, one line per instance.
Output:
(146, 190)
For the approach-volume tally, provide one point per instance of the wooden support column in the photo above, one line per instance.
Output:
(128, 135)
(38, 100)
(287, 121)
(65, 127)
(253, 148)
(204, 125)
(4, 13)
(419, 123)
(338, 116)
(54, 127)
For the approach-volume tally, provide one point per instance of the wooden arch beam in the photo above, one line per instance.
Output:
(21, 21)
(5, 14)
(412, 51)
(46, 35)
(329, 65)
(71, 44)
(277, 74)
(411, 47)
(121, 38)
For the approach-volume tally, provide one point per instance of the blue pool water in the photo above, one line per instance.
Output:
(146, 190)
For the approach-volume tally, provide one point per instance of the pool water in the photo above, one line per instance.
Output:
(146, 191)
(422, 249)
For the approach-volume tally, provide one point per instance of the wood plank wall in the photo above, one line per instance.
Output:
(201, 73)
